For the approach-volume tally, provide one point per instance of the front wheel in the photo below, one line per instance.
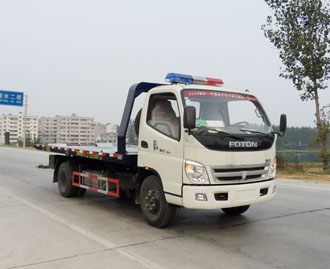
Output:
(235, 211)
(154, 206)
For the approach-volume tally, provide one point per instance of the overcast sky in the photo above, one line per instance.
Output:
(82, 56)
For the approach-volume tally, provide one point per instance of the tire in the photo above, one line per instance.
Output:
(235, 211)
(65, 181)
(137, 122)
(156, 210)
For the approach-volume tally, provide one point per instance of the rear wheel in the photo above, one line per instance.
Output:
(65, 181)
(235, 211)
(154, 206)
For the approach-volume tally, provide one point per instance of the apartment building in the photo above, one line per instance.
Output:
(109, 138)
(106, 133)
(71, 130)
(14, 124)
(47, 132)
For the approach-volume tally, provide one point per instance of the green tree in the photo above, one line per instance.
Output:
(299, 29)
(131, 135)
(324, 131)
(297, 138)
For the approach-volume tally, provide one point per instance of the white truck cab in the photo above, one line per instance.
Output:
(226, 159)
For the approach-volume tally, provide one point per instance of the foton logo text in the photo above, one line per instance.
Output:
(245, 144)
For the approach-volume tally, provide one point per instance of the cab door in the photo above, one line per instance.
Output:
(160, 139)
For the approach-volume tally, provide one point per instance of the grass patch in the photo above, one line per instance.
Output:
(304, 171)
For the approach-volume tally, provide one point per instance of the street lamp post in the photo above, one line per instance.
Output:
(24, 118)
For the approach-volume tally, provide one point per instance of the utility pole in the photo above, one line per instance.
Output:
(24, 119)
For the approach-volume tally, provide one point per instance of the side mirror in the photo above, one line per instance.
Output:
(189, 118)
(283, 124)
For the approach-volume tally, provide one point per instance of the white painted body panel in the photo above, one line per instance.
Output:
(167, 159)
(238, 195)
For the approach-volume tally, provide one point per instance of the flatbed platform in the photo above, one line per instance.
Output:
(104, 153)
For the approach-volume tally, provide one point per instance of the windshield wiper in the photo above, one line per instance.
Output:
(201, 130)
(256, 132)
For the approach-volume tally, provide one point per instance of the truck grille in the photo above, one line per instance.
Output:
(239, 174)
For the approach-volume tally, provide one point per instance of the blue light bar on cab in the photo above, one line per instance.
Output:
(188, 79)
(179, 78)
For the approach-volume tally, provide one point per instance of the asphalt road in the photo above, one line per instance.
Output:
(41, 229)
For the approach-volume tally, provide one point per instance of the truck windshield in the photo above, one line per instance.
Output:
(233, 113)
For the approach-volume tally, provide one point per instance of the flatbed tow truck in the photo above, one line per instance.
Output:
(199, 146)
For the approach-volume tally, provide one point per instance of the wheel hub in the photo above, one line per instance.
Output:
(152, 202)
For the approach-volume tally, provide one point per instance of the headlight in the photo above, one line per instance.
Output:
(196, 173)
(272, 169)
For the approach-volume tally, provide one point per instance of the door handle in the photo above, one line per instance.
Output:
(144, 144)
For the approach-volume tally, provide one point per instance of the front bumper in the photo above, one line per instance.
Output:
(238, 195)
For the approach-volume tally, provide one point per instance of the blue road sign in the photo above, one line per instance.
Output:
(11, 98)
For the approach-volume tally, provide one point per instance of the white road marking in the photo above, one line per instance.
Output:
(303, 187)
(86, 233)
